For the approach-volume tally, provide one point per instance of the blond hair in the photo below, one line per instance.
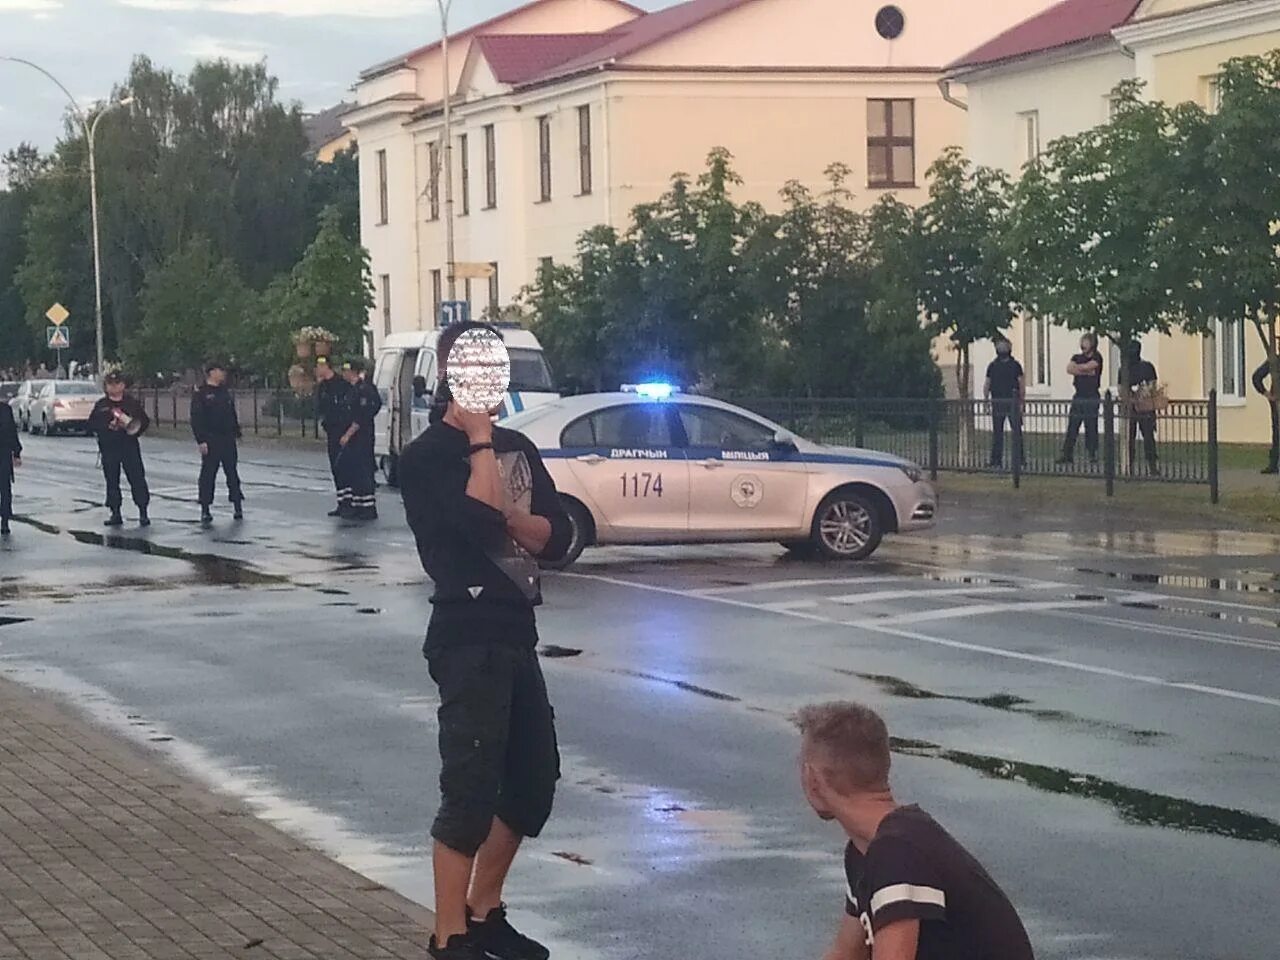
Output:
(849, 743)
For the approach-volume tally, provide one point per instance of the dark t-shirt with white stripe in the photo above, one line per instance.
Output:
(915, 870)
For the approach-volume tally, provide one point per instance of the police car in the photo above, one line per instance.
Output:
(650, 465)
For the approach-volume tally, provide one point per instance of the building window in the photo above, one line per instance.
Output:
(1028, 137)
(546, 265)
(490, 168)
(1035, 350)
(493, 291)
(384, 207)
(437, 295)
(433, 181)
(891, 143)
(384, 287)
(544, 158)
(464, 173)
(584, 150)
(1212, 94)
(1224, 360)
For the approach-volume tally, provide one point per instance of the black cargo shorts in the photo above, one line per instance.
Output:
(498, 751)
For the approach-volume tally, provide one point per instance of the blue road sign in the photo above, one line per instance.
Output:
(59, 338)
(454, 311)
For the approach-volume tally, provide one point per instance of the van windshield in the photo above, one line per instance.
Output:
(529, 371)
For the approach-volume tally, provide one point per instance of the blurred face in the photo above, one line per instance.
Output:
(351, 376)
(1004, 348)
(217, 376)
(115, 390)
(1086, 345)
(324, 372)
(817, 790)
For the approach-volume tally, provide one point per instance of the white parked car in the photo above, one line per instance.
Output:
(63, 405)
(652, 465)
(21, 402)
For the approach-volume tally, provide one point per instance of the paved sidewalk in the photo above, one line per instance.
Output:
(107, 852)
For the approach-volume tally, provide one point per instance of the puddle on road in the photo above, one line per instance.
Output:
(212, 569)
(1133, 805)
(1007, 702)
(554, 651)
(10, 621)
(1184, 581)
(680, 685)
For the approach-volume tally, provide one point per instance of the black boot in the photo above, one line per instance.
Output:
(206, 517)
(144, 519)
(238, 513)
(115, 520)
(4, 527)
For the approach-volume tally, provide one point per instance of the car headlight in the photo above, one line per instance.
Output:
(913, 472)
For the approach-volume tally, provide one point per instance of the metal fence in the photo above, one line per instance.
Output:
(262, 411)
(1111, 444)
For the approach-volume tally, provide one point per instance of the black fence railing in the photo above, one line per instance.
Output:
(262, 411)
(1096, 440)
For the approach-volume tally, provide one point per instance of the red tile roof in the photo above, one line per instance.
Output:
(645, 31)
(516, 58)
(473, 30)
(1062, 25)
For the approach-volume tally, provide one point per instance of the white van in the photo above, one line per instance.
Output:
(404, 356)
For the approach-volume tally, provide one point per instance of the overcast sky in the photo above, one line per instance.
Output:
(315, 47)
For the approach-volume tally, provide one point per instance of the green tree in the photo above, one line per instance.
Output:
(195, 306)
(1226, 189)
(337, 184)
(1092, 233)
(20, 168)
(331, 286)
(963, 277)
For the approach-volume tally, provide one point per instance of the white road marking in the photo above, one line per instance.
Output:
(880, 626)
(975, 610)
(1169, 631)
(918, 593)
(789, 584)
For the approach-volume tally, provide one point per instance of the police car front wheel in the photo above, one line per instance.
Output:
(847, 526)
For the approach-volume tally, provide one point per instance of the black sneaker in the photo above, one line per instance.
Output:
(1270, 471)
(4, 528)
(499, 940)
(144, 519)
(459, 947)
(206, 517)
(238, 513)
(115, 520)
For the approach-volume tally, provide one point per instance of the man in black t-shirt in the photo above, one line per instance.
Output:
(1086, 370)
(484, 510)
(914, 893)
(1260, 378)
(1142, 374)
(1005, 387)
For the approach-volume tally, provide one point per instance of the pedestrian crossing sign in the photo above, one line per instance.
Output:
(59, 338)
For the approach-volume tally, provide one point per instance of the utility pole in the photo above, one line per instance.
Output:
(90, 134)
(446, 86)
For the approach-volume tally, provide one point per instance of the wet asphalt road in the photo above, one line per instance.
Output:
(1094, 711)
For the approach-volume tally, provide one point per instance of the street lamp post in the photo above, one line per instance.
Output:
(90, 134)
(450, 259)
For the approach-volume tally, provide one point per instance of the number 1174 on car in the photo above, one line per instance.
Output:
(641, 484)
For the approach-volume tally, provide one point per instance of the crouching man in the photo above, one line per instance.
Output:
(914, 892)
(483, 510)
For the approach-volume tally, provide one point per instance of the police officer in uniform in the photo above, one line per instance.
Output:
(1260, 378)
(331, 411)
(119, 420)
(216, 428)
(356, 457)
(10, 457)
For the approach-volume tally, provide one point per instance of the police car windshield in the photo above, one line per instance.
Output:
(529, 371)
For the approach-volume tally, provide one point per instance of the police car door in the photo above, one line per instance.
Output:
(741, 485)
(631, 472)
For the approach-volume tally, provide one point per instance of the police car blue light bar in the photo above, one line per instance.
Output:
(650, 391)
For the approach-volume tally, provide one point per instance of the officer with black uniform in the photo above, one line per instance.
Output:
(356, 457)
(10, 457)
(1260, 378)
(119, 419)
(331, 411)
(216, 428)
